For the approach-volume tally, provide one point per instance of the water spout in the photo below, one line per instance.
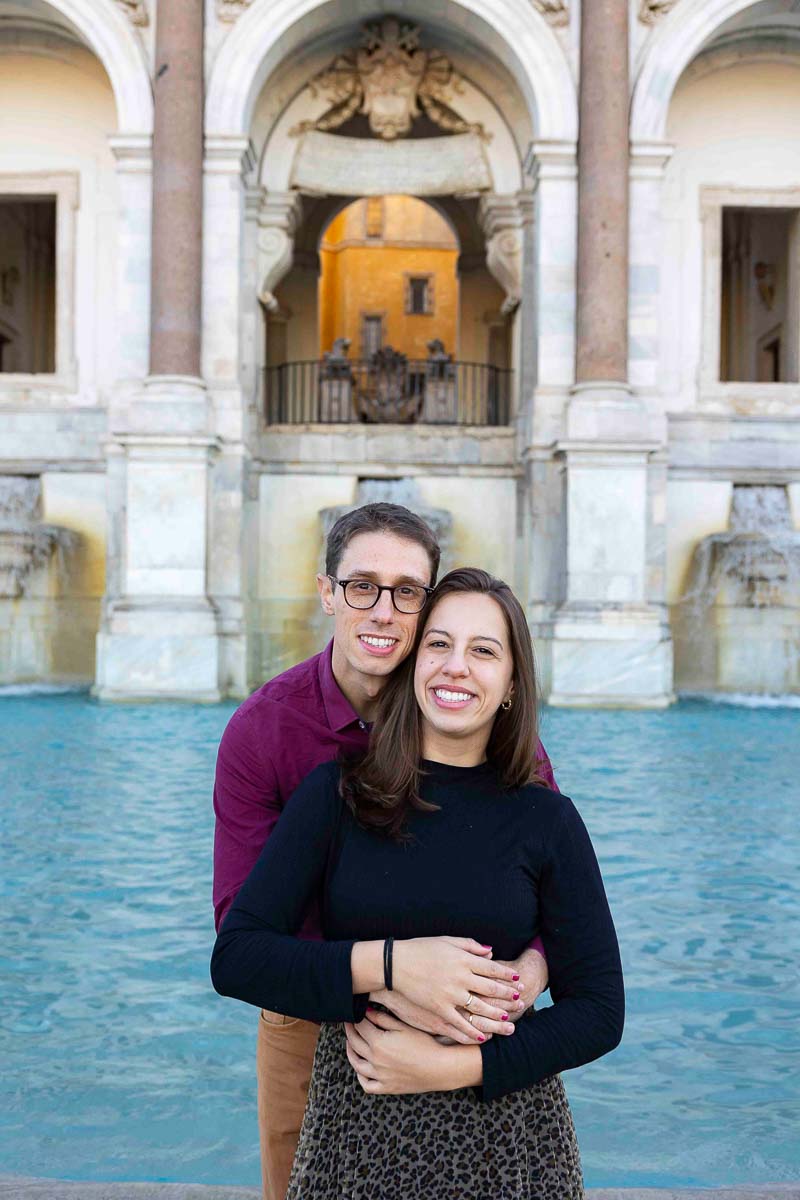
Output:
(737, 625)
(26, 542)
(396, 491)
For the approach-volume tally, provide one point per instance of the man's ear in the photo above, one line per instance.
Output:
(325, 589)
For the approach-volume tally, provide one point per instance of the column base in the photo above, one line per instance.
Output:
(159, 649)
(610, 657)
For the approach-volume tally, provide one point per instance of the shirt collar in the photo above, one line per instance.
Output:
(338, 709)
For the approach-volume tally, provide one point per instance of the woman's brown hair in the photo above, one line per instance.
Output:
(383, 786)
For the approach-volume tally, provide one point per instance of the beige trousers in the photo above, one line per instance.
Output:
(284, 1058)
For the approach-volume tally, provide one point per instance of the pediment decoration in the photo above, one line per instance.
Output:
(136, 11)
(651, 10)
(556, 11)
(391, 80)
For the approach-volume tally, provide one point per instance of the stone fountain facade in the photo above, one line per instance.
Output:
(34, 560)
(739, 624)
(189, 207)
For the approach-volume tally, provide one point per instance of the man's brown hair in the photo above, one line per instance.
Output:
(380, 518)
(383, 786)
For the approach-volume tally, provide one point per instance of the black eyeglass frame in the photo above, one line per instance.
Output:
(382, 587)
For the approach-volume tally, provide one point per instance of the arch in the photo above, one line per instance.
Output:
(675, 42)
(108, 33)
(267, 32)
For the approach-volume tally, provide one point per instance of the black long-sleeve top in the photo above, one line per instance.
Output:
(499, 866)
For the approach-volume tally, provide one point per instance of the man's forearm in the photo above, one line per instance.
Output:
(458, 1067)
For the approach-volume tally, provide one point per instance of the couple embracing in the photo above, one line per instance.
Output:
(424, 883)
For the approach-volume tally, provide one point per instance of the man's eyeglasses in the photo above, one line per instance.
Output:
(362, 593)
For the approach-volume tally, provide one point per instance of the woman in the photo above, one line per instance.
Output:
(440, 832)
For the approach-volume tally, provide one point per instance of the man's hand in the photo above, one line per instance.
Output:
(389, 1058)
(531, 967)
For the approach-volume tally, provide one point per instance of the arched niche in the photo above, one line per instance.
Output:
(106, 31)
(678, 39)
(516, 35)
(478, 330)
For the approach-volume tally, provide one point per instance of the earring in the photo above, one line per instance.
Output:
(506, 705)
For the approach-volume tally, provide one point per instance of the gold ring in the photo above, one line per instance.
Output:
(469, 1018)
(470, 998)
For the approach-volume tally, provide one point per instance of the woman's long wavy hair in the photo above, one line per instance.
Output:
(384, 785)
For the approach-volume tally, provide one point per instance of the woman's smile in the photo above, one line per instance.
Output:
(452, 698)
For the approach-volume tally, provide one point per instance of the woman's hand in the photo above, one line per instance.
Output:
(428, 1022)
(390, 1058)
(444, 975)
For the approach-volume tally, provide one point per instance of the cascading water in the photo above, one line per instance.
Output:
(28, 548)
(738, 624)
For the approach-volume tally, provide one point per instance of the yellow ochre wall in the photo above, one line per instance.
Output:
(367, 276)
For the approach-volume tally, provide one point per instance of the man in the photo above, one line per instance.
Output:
(381, 563)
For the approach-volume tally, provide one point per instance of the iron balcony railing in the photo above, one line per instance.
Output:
(412, 390)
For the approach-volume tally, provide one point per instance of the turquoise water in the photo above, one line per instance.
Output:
(120, 1063)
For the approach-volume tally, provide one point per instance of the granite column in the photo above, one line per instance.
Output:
(610, 642)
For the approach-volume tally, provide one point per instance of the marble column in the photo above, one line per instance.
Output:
(160, 634)
(610, 639)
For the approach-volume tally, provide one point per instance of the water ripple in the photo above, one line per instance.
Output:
(119, 1062)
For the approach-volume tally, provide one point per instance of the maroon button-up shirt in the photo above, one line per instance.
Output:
(278, 736)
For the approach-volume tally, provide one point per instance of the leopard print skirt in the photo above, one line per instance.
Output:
(433, 1146)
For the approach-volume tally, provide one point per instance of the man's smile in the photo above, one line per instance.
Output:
(380, 644)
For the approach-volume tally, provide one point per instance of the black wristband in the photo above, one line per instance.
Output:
(388, 946)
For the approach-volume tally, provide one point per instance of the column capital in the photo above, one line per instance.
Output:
(649, 160)
(228, 154)
(133, 152)
(550, 159)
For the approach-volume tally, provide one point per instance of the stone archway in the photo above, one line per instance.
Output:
(676, 41)
(469, 162)
(267, 33)
(108, 33)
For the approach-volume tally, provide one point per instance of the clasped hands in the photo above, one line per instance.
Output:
(418, 1045)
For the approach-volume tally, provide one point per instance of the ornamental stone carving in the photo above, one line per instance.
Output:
(651, 10)
(136, 11)
(277, 220)
(502, 224)
(556, 11)
(391, 80)
(229, 10)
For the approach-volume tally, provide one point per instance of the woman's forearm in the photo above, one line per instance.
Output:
(366, 966)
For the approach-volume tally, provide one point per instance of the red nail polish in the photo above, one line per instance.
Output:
(515, 978)
(485, 947)
(515, 996)
(504, 1017)
(371, 1008)
(481, 1038)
